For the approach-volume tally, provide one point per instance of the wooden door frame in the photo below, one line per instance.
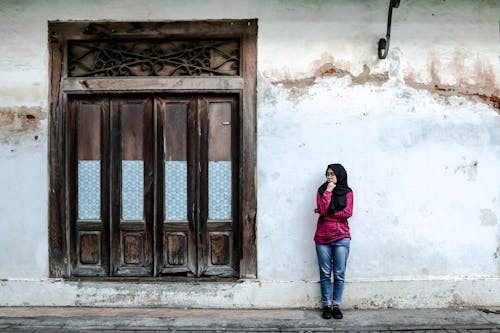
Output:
(60, 86)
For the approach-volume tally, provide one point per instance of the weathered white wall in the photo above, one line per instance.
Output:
(419, 134)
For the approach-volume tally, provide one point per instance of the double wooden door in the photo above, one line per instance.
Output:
(153, 185)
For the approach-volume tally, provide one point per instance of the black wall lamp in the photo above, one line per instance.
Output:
(383, 43)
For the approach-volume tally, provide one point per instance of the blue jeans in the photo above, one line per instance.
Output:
(337, 253)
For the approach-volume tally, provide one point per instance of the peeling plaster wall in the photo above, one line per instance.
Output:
(425, 175)
(419, 134)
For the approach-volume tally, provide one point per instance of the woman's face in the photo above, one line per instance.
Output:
(330, 176)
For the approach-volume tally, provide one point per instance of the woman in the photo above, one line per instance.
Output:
(332, 237)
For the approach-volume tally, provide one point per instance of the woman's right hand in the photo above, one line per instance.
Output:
(330, 186)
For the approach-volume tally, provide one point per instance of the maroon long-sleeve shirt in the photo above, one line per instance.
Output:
(332, 227)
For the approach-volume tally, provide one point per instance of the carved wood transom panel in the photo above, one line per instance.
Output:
(154, 58)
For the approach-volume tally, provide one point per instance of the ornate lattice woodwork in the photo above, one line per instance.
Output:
(154, 58)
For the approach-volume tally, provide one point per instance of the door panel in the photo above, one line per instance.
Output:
(89, 222)
(219, 161)
(218, 178)
(176, 186)
(132, 181)
(199, 170)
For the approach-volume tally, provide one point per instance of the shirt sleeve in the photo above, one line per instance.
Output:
(323, 201)
(347, 211)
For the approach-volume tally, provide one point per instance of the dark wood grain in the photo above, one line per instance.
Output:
(219, 249)
(175, 131)
(248, 257)
(88, 30)
(152, 84)
(202, 193)
(89, 131)
(219, 131)
(193, 186)
(176, 249)
(89, 248)
(58, 266)
(132, 129)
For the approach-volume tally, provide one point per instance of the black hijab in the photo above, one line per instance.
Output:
(339, 192)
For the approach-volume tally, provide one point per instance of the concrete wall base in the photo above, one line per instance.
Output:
(402, 294)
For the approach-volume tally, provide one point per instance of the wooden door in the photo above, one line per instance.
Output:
(111, 176)
(121, 223)
(88, 162)
(132, 190)
(198, 177)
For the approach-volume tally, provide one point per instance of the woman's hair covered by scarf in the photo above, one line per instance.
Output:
(339, 200)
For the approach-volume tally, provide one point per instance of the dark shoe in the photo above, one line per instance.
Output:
(336, 313)
(327, 312)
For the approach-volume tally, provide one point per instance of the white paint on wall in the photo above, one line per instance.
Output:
(423, 162)
(23, 207)
(422, 171)
(250, 294)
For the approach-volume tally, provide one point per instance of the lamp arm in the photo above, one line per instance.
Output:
(383, 43)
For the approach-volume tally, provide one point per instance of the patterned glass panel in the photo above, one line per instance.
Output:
(219, 193)
(89, 190)
(132, 190)
(175, 191)
(219, 165)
